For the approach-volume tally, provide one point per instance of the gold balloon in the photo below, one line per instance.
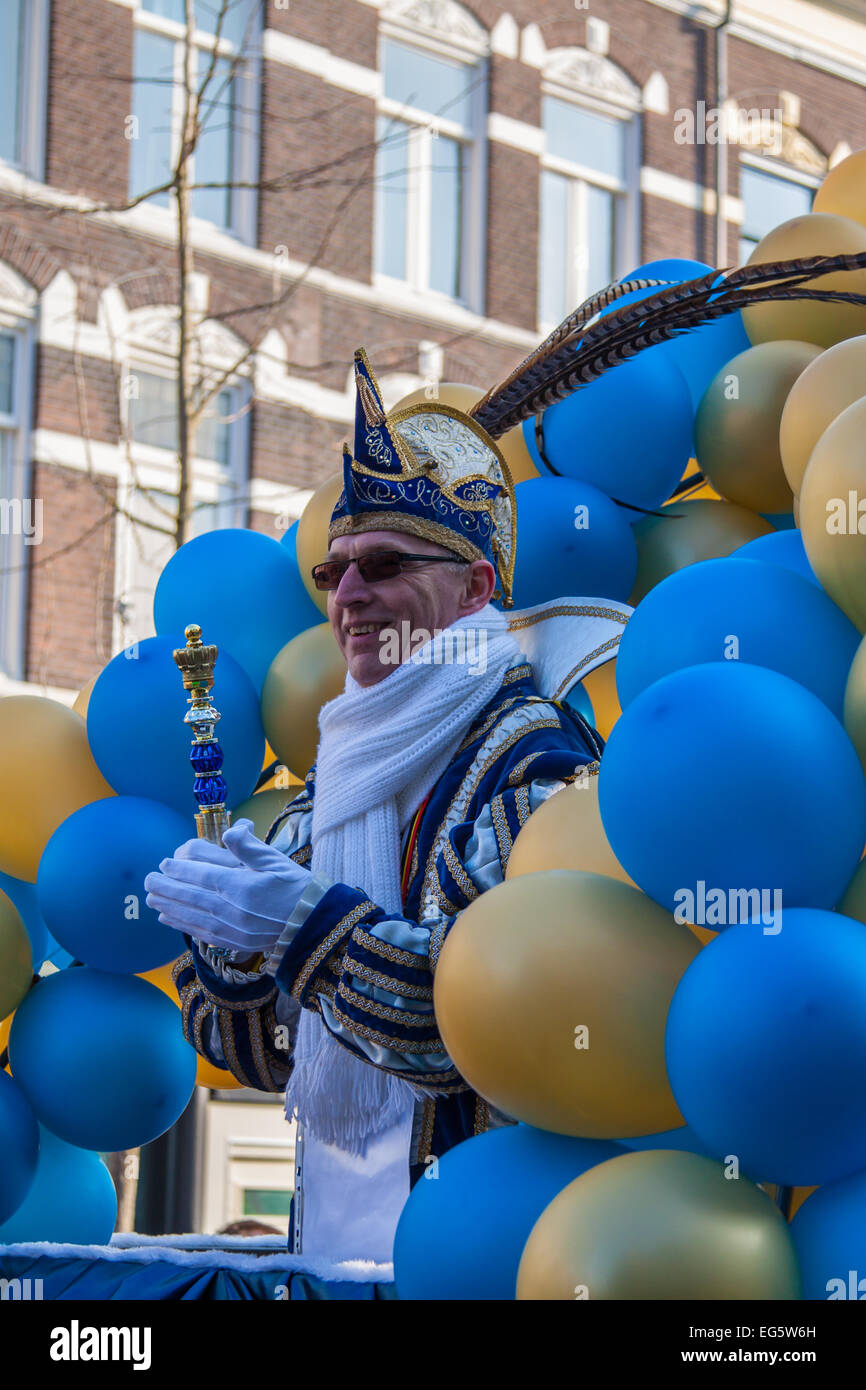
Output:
(700, 529)
(796, 512)
(828, 386)
(843, 190)
(566, 833)
(309, 671)
(659, 1225)
(512, 444)
(600, 686)
(206, 1074)
(832, 523)
(82, 699)
(551, 995)
(16, 957)
(263, 807)
(312, 538)
(48, 772)
(705, 490)
(854, 709)
(5, 1025)
(737, 424)
(810, 321)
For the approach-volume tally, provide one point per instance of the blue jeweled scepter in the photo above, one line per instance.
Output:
(195, 662)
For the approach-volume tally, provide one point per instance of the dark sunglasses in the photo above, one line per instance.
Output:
(378, 565)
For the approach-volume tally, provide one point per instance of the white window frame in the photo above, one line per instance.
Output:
(626, 248)
(32, 99)
(246, 141)
(18, 317)
(779, 169)
(420, 152)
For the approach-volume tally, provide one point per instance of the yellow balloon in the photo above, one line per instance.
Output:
(600, 686)
(511, 445)
(206, 1073)
(827, 387)
(854, 709)
(832, 523)
(796, 512)
(843, 190)
(312, 537)
(263, 807)
(161, 977)
(705, 490)
(699, 529)
(48, 772)
(737, 424)
(566, 832)
(82, 699)
(16, 957)
(551, 994)
(5, 1025)
(810, 321)
(659, 1225)
(309, 671)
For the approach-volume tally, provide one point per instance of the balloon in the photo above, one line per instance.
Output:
(566, 832)
(854, 715)
(698, 487)
(102, 1059)
(91, 883)
(309, 671)
(263, 808)
(571, 539)
(828, 385)
(289, 539)
(24, 897)
(72, 1199)
(466, 1221)
(842, 189)
(82, 699)
(766, 1047)
(511, 445)
(659, 1225)
(550, 994)
(600, 686)
(628, 434)
(779, 548)
(730, 806)
(48, 772)
(724, 610)
(853, 900)
(810, 321)
(698, 529)
(243, 590)
(312, 542)
(737, 424)
(682, 1140)
(16, 957)
(145, 684)
(833, 512)
(702, 351)
(829, 1235)
(19, 1146)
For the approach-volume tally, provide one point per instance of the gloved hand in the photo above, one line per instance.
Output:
(239, 896)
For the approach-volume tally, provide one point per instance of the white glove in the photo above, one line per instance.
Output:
(240, 896)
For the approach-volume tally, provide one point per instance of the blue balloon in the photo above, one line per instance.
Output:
(777, 617)
(577, 699)
(57, 954)
(24, 897)
(244, 591)
(765, 1047)
(829, 1235)
(629, 433)
(779, 548)
(19, 1146)
(673, 268)
(139, 740)
(704, 780)
(463, 1228)
(289, 539)
(571, 539)
(91, 883)
(72, 1199)
(102, 1058)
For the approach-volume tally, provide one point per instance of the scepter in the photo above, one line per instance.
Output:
(195, 662)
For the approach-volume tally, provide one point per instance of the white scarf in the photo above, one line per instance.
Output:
(382, 749)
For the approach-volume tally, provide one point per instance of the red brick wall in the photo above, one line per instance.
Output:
(90, 97)
(80, 401)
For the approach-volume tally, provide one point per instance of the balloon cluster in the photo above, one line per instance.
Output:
(667, 992)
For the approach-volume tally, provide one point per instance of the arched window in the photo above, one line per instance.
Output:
(780, 170)
(589, 179)
(430, 149)
(20, 513)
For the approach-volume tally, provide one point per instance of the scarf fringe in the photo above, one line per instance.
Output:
(362, 1101)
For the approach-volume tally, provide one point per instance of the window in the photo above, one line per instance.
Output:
(227, 71)
(769, 198)
(429, 194)
(23, 50)
(20, 514)
(267, 1201)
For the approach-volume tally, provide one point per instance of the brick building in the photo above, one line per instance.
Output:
(437, 181)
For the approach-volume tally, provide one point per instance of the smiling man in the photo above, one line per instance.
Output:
(312, 956)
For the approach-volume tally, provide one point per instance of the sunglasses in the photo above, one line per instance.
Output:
(376, 566)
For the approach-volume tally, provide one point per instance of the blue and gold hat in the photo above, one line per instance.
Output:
(429, 470)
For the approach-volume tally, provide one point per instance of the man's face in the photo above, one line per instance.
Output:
(426, 597)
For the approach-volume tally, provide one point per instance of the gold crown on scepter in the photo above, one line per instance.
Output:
(196, 662)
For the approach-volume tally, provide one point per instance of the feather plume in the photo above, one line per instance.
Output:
(583, 347)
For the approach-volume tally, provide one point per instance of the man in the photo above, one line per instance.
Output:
(312, 956)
